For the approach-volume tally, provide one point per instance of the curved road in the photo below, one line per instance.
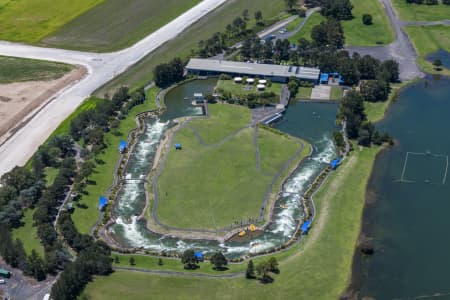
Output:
(101, 68)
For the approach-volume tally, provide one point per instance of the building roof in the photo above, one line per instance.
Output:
(254, 69)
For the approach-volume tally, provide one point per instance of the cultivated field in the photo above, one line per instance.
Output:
(211, 184)
(181, 46)
(413, 12)
(31, 20)
(115, 24)
(317, 269)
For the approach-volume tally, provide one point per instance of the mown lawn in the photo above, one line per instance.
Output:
(428, 39)
(116, 24)
(28, 234)
(358, 34)
(31, 20)
(304, 93)
(50, 175)
(336, 93)
(317, 269)
(181, 46)
(291, 26)
(211, 186)
(305, 32)
(413, 12)
(14, 69)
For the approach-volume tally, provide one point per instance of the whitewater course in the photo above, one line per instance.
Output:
(314, 122)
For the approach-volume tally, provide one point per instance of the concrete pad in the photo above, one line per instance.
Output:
(321, 92)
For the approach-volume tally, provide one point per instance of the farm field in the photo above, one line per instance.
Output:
(22, 69)
(322, 262)
(29, 20)
(213, 183)
(414, 12)
(112, 25)
(429, 39)
(142, 73)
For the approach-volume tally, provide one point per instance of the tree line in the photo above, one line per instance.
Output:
(428, 2)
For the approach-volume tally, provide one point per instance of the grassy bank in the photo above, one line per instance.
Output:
(429, 39)
(113, 25)
(317, 269)
(28, 234)
(181, 46)
(22, 69)
(413, 12)
(211, 186)
(30, 20)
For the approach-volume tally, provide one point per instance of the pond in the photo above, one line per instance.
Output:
(443, 55)
(314, 122)
(410, 195)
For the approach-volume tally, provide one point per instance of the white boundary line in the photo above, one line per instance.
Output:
(444, 179)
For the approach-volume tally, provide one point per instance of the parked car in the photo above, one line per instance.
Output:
(2, 281)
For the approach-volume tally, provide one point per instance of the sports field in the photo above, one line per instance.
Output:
(22, 69)
(31, 20)
(115, 24)
(428, 39)
(181, 46)
(317, 269)
(414, 12)
(213, 182)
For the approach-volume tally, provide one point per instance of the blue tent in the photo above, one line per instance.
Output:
(335, 163)
(102, 203)
(305, 226)
(199, 255)
(324, 78)
(178, 146)
(122, 146)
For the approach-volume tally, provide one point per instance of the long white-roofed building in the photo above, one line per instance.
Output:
(276, 73)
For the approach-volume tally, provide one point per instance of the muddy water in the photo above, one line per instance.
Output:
(410, 200)
(312, 121)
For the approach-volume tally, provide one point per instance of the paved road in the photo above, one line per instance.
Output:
(400, 50)
(101, 68)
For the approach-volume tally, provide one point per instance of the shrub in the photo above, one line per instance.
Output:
(367, 19)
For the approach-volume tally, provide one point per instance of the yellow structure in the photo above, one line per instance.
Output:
(252, 228)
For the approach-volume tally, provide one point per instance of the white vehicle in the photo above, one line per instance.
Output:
(2, 281)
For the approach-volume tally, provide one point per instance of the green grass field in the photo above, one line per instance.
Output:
(336, 93)
(213, 185)
(50, 175)
(31, 20)
(241, 89)
(317, 269)
(291, 26)
(28, 234)
(358, 34)
(413, 12)
(14, 69)
(113, 25)
(181, 46)
(304, 93)
(305, 32)
(429, 39)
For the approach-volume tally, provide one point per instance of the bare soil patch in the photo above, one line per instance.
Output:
(19, 99)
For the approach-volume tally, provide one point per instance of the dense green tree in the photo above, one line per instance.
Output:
(351, 109)
(160, 262)
(328, 34)
(189, 260)
(437, 64)
(250, 272)
(390, 70)
(338, 9)
(367, 19)
(36, 267)
(263, 269)
(219, 261)
(168, 73)
(273, 265)
(374, 90)
(132, 262)
(290, 4)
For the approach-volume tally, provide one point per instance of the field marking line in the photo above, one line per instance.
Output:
(446, 169)
(404, 167)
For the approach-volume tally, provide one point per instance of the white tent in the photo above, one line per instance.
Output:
(250, 80)
(261, 87)
(238, 79)
(262, 81)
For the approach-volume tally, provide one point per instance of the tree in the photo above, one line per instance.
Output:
(250, 272)
(168, 73)
(36, 266)
(132, 262)
(189, 259)
(219, 261)
(273, 265)
(351, 109)
(437, 64)
(338, 9)
(245, 15)
(263, 269)
(328, 34)
(290, 4)
(258, 17)
(116, 260)
(446, 2)
(390, 70)
(367, 19)
(160, 262)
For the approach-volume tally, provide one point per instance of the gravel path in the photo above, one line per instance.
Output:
(182, 274)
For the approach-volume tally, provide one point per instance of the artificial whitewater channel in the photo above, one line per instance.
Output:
(314, 122)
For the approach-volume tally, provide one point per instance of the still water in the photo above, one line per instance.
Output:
(443, 55)
(311, 121)
(410, 216)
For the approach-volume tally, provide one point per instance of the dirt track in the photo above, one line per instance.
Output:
(18, 100)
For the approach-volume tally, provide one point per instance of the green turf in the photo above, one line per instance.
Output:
(28, 234)
(412, 12)
(31, 20)
(319, 270)
(50, 175)
(181, 46)
(240, 89)
(358, 34)
(428, 39)
(336, 93)
(305, 32)
(116, 24)
(85, 218)
(14, 69)
(213, 185)
(291, 26)
(304, 93)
